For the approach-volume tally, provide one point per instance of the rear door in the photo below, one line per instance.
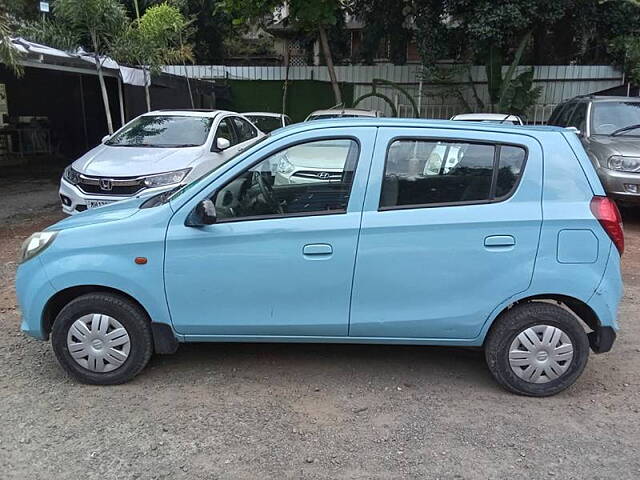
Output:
(449, 230)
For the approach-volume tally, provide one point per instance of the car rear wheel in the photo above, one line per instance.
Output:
(537, 349)
(102, 339)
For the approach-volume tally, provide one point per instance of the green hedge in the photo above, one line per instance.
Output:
(303, 96)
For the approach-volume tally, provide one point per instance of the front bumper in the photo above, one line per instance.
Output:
(616, 184)
(75, 200)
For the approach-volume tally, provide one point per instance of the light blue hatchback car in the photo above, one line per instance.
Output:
(392, 231)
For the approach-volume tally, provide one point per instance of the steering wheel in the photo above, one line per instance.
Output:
(267, 192)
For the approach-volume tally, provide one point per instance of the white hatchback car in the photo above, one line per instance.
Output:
(155, 152)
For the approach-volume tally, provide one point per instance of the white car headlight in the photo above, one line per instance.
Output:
(71, 176)
(285, 166)
(624, 164)
(35, 244)
(168, 178)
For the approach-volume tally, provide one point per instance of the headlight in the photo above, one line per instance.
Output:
(71, 176)
(624, 164)
(35, 244)
(168, 178)
(285, 166)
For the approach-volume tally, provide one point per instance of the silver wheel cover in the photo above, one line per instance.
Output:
(98, 342)
(540, 354)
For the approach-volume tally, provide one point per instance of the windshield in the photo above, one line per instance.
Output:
(607, 117)
(163, 131)
(265, 123)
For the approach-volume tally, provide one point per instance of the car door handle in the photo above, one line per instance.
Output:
(317, 249)
(499, 241)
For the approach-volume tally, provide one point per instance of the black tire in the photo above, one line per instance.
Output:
(132, 318)
(515, 321)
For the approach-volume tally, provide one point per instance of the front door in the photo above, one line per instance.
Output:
(450, 230)
(279, 261)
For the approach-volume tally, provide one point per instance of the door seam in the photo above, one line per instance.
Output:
(364, 198)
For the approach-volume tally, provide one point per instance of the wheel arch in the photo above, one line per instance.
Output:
(61, 298)
(164, 338)
(578, 307)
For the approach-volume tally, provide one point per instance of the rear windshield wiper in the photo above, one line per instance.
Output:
(625, 129)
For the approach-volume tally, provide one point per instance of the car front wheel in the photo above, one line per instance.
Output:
(102, 339)
(537, 349)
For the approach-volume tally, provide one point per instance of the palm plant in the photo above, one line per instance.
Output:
(8, 54)
(100, 23)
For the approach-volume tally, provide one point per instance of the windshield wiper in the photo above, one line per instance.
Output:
(625, 129)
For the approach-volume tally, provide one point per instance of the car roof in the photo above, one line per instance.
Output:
(486, 116)
(191, 113)
(346, 111)
(264, 114)
(413, 123)
(603, 98)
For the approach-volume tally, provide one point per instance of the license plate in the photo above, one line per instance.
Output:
(97, 203)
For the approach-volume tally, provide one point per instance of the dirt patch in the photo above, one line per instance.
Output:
(250, 411)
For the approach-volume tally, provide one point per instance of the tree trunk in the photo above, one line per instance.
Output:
(147, 82)
(324, 42)
(105, 96)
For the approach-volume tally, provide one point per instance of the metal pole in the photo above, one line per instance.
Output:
(419, 113)
(121, 100)
(84, 114)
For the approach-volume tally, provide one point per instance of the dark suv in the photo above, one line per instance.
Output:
(609, 128)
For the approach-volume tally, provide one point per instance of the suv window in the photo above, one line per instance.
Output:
(423, 173)
(225, 130)
(245, 130)
(579, 117)
(565, 114)
(309, 178)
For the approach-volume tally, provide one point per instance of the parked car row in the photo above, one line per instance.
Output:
(162, 150)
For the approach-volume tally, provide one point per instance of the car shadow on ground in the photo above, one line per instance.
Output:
(333, 363)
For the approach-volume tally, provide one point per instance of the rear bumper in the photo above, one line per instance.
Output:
(601, 340)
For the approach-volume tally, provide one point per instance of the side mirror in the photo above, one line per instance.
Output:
(105, 138)
(203, 214)
(222, 144)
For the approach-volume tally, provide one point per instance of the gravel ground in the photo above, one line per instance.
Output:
(236, 411)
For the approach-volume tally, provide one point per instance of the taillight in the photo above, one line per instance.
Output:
(607, 213)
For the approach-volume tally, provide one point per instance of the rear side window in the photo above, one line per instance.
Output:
(511, 161)
(428, 173)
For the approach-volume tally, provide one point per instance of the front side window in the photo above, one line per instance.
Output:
(245, 130)
(565, 114)
(579, 117)
(225, 130)
(424, 173)
(309, 178)
(265, 123)
(163, 131)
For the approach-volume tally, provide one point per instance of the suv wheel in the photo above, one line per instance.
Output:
(102, 339)
(537, 349)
